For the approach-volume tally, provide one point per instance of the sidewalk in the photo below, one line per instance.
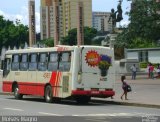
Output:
(145, 92)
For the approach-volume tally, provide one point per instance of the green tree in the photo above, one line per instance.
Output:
(98, 41)
(89, 34)
(144, 25)
(22, 34)
(12, 34)
(48, 42)
(71, 39)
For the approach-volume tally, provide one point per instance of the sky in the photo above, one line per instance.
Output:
(18, 9)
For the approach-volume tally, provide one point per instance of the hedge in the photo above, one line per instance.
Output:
(145, 64)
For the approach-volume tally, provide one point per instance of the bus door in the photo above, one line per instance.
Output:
(65, 69)
(96, 68)
(7, 67)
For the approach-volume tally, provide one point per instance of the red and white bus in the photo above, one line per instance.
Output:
(78, 72)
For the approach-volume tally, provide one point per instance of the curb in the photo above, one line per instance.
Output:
(127, 103)
(112, 102)
(139, 105)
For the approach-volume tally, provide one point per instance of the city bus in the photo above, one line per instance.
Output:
(61, 72)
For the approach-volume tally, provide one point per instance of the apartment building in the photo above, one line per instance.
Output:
(70, 14)
(67, 16)
(47, 19)
(100, 21)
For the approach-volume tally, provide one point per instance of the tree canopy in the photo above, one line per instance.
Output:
(48, 42)
(144, 27)
(12, 34)
(71, 39)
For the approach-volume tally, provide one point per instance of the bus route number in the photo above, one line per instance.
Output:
(47, 75)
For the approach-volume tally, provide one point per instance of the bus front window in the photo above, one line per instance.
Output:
(7, 67)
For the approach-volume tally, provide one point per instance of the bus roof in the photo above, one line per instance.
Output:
(50, 49)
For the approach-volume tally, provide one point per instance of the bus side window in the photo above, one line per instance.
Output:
(7, 67)
(15, 62)
(65, 62)
(24, 62)
(42, 64)
(33, 62)
(53, 62)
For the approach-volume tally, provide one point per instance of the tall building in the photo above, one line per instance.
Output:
(32, 29)
(67, 16)
(47, 19)
(100, 21)
(70, 14)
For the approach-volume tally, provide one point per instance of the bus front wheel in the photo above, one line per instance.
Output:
(48, 94)
(17, 95)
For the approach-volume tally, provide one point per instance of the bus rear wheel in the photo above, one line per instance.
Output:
(17, 95)
(48, 94)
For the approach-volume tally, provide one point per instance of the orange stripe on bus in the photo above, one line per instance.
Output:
(53, 81)
(58, 83)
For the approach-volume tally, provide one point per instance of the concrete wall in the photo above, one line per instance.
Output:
(132, 55)
(154, 56)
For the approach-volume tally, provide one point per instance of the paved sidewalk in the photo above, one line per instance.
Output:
(145, 92)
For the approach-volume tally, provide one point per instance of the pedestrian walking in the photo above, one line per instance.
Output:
(126, 88)
(134, 71)
(158, 71)
(148, 69)
(151, 69)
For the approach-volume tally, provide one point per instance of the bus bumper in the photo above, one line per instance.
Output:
(101, 94)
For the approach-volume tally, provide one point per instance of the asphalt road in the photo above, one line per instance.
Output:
(67, 111)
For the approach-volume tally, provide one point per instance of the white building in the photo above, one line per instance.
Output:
(100, 21)
(144, 54)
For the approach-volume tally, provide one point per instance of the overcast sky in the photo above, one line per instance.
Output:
(18, 9)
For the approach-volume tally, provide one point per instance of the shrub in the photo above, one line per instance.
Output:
(143, 64)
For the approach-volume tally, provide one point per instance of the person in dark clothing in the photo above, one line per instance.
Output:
(124, 87)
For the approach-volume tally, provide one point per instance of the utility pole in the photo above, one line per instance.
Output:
(56, 22)
(32, 29)
(80, 27)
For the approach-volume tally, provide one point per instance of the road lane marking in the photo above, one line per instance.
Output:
(112, 114)
(13, 109)
(106, 114)
(51, 114)
(11, 100)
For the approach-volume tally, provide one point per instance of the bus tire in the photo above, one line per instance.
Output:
(48, 94)
(83, 99)
(17, 95)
